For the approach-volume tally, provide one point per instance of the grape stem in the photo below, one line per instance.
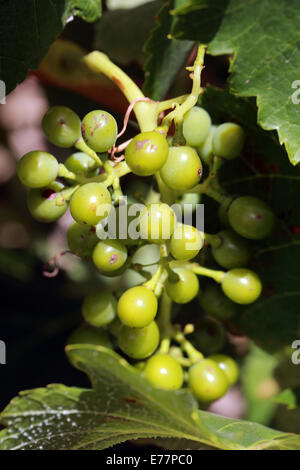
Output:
(81, 145)
(146, 112)
(164, 317)
(201, 271)
(213, 240)
(192, 98)
(193, 354)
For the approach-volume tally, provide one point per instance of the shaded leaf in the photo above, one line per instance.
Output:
(28, 28)
(289, 397)
(121, 33)
(273, 321)
(264, 38)
(122, 405)
(165, 55)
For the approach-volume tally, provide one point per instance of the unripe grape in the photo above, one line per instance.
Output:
(186, 242)
(164, 372)
(47, 204)
(183, 169)
(157, 222)
(196, 126)
(37, 169)
(251, 217)
(123, 223)
(99, 130)
(137, 307)
(147, 153)
(215, 303)
(80, 163)
(185, 289)
(228, 140)
(109, 255)
(61, 126)
(223, 211)
(90, 204)
(205, 149)
(86, 334)
(99, 309)
(209, 335)
(82, 239)
(207, 381)
(229, 367)
(139, 343)
(241, 285)
(188, 203)
(233, 250)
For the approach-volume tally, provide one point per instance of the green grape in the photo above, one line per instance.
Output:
(137, 190)
(137, 307)
(251, 217)
(37, 169)
(157, 222)
(86, 334)
(82, 239)
(147, 153)
(196, 126)
(47, 204)
(207, 381)
(187, 204)
(109, 256)
(147, 256)
(123, 223)
(205, 150)
(209, 335)
(186, 242)
(164, 372)
(215, 303)
(185, 288)
(229, 367)
(228, 140)
(80, 163)
(99, 130)
(139, 343)
(241, 285)
(233, 250)
(90, 204)
(223, 211)
(99, 309)
(61, 126)
(183, 169)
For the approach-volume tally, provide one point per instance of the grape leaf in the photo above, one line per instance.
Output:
(27, 29)
(121, 33)
(289, 397)
(122, 405)
(165, 55)
(273, 321)
(264, 38)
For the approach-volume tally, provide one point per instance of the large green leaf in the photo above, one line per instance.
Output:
(122, 405)
(274, 320)
(28, 28)
(165, 55)
(121, 33)
(264, 38)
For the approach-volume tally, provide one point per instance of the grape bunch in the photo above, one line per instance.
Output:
(139, 322)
